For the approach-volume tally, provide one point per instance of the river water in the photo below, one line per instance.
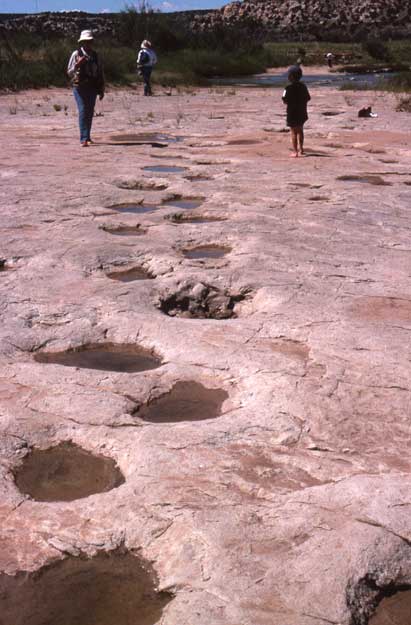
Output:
(319, 80)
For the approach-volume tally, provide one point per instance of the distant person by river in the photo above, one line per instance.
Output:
(296, 96)
(85, 71)
(146, 60)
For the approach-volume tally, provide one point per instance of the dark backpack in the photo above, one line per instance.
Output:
(89, 72)
(144, 58)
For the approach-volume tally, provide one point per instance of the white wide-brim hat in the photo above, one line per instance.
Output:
(86, 35)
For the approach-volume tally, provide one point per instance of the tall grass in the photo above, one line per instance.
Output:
(135, 24)
(206, 63)
(401, 83)
(32, 62)
(33, 66)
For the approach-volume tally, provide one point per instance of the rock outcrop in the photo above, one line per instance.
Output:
(312, 19)
(262, 19)
(70, 23)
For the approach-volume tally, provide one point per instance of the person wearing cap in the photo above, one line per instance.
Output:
(146, 60)
(85, 71)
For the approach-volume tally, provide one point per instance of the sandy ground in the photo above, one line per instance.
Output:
(265, 447)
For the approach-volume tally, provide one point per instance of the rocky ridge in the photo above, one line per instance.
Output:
(70, 23)
(314, 19)
(269, 19)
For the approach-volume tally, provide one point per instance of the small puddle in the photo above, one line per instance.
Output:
(165, 169)
(135, 208)
(207, 251)
(167, 156)
(144, 137)
(103, 357)
(125, 231)
(65, 473)
(186, 204)
(180, 218)
(243, 142)
(374, 308)
(5, 267)
(312, 153)
(130, 275)
(116, 588)
(369, 179)
(395, 610)
(198, 177)
(204, 220)
(187, 401)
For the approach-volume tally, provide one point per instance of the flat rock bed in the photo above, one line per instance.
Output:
(256, 405)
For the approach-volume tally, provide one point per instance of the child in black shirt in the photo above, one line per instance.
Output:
(296, 96)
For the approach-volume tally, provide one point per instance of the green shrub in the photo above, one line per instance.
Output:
(135, 24)
(119, 63)
(400, 51)
(208, 63)
(400, 83)
(377, 50)
(195, 66)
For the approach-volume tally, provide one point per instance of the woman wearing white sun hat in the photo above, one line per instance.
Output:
(146, 60)
(85, 71)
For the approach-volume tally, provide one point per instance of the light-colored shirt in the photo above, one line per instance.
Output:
(151, 54)
(72, 63)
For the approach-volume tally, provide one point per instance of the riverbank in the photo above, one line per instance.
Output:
(32, 60)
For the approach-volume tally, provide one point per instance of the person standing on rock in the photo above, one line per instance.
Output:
(296, 97)
(146, 60)
(85, 71)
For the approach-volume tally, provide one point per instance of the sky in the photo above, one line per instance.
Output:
(98, 6)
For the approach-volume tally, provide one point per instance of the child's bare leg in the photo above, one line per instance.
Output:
(294, 141)
(300, 136)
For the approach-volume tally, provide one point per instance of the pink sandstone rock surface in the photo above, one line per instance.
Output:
(287, 500)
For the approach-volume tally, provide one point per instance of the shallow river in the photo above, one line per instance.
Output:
(323, 80)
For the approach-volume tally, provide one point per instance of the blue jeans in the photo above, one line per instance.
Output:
(146, 74)
(85, 97)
